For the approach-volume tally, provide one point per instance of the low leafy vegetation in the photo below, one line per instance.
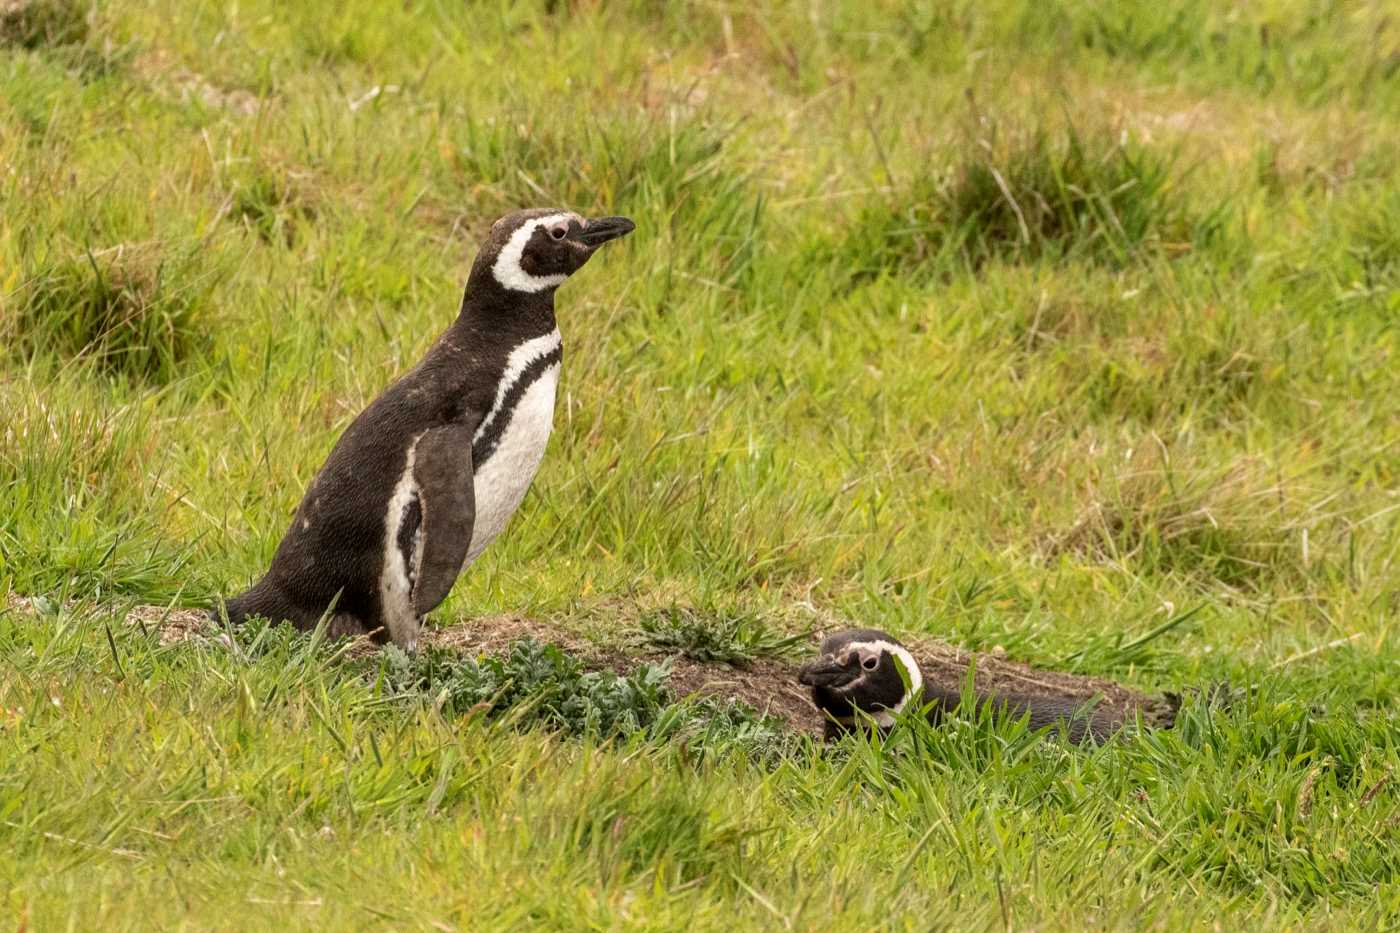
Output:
(729, 637)
(539, 681)
(532, 684)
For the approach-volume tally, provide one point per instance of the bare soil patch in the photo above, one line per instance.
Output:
(768, 686)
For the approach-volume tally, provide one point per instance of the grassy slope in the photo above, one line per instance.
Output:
(835, 367)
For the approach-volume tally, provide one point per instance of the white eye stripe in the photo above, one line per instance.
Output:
(901, 653)
(507, 269)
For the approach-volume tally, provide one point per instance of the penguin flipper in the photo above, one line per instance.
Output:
(442, 469)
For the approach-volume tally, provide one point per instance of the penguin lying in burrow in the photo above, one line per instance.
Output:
(430, 473)
(864, 678)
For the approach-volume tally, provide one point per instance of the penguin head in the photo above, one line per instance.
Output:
(860, 669)
(535, 250)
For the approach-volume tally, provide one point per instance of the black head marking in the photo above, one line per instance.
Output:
(534, 251)
(865, 670)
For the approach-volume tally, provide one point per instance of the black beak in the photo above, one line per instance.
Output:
(825, 672)
(603, 229)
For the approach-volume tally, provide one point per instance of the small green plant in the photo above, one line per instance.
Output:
(729, 637)
(535, 683)
(706, 724)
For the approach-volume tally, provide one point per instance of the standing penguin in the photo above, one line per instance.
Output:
(866, 675)
(431, 472)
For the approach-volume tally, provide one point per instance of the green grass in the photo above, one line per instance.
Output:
(1020, 327)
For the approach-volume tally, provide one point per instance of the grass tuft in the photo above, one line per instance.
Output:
(1243, 526)
(1043, 197)
(1375, 241)
(37, 24)
(65, 31)
(273, 204)
(85, 485)
(1034, 195)
(134, 310)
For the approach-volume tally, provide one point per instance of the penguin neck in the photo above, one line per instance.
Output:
(489, 309)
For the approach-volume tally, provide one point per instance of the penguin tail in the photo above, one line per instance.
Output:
(234, 609)
(261, 600)
(267, 601)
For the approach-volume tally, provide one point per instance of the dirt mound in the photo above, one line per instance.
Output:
(769, 685)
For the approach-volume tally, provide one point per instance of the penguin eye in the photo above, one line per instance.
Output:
(870, 663)
(558, 232)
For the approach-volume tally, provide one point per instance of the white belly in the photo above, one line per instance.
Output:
(501, 483)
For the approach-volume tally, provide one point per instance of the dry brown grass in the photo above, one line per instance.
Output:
(1240, 526)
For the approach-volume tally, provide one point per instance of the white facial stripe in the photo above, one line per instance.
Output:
(395, 591)
(916, 677)
(521, 357)
(507, 269)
